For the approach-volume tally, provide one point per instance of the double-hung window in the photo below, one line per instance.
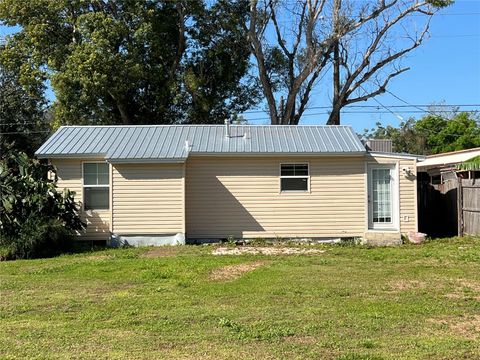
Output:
(96, 186)
(294, 177)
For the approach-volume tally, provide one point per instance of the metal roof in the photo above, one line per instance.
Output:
(169, 142)
(450, 158)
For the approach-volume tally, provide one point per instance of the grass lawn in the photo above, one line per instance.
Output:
(345, 303)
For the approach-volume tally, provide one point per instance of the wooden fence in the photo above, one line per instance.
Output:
(449, 209)
(437, 208)
(469, 203)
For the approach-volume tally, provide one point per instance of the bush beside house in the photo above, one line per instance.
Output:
(35, 219)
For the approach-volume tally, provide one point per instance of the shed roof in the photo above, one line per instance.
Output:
(169, 142)
(448, 159)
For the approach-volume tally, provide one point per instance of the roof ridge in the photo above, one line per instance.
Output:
(203, 125)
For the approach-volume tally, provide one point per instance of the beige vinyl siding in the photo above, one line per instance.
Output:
(69, 174)
(408, 198)
(148, 199)
(407, 191)
(241, 197)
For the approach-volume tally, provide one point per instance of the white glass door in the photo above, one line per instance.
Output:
(381, 197)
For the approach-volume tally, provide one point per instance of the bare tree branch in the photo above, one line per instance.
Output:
(324, 33)
(381, 89)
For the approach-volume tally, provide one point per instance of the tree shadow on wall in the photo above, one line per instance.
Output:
(222, 216)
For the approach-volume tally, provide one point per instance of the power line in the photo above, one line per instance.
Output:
(388, 109)
(454, 36)
(376, 106)
(404, 101)
(457, 14)
(366, 113)
(24, 132)
(23, 123)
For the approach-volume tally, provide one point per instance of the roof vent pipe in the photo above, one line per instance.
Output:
(227, 128)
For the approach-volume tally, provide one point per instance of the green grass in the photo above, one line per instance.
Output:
(346, 303)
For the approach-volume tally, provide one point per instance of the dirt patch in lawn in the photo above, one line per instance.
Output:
(466, 327)
(161, 251)
(232, 272)
(472, 285)
(98, 257)
(465, 289)
(405, 285)
(254, 250)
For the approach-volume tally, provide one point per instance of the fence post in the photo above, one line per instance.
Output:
(460, 207)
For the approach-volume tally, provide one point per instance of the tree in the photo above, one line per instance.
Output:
(361, 41)
(22, 120)
(131, 62)
(35, 219)
(405, 138)
(472, 164)
(460, 132)
(431, 134)
(211, 74)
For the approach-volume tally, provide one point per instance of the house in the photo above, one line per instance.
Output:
(167, 183)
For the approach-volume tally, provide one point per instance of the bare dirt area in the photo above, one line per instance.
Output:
(465, 289)
(254, 250)
(466, 327)
(232, 272)
(405, 285)
(97, 257)
(161, 251)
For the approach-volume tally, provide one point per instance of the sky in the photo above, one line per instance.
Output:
(445, 69)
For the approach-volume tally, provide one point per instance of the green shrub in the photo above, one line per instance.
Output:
(39, 238)
(35, 219)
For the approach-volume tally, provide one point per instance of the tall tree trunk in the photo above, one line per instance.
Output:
(122, 109)
(126, 120)
(334, 118)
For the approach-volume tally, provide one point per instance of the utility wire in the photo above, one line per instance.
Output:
(376, 106)
(24, 132)
(365, 112)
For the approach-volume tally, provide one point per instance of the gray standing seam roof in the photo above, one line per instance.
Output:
(168, 142)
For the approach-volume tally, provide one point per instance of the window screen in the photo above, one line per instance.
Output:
(294, 177)
(96, 189)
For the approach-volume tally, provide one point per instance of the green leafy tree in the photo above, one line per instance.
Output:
(131, 61)
(35, 219)
(460, 132)
(211, 74)
(431, 134)
(22, 120)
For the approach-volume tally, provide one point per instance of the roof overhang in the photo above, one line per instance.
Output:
(397, 155)
(147, 161)
(70, 156)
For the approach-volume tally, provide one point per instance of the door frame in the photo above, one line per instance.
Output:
(395, 186)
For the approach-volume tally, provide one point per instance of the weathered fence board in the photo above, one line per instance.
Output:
(470, 204)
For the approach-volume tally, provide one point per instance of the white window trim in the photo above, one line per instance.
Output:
(109, 186)
(293, 177)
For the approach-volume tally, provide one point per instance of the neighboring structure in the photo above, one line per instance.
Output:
(449, 201)
(167, 183)
(443, 167)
